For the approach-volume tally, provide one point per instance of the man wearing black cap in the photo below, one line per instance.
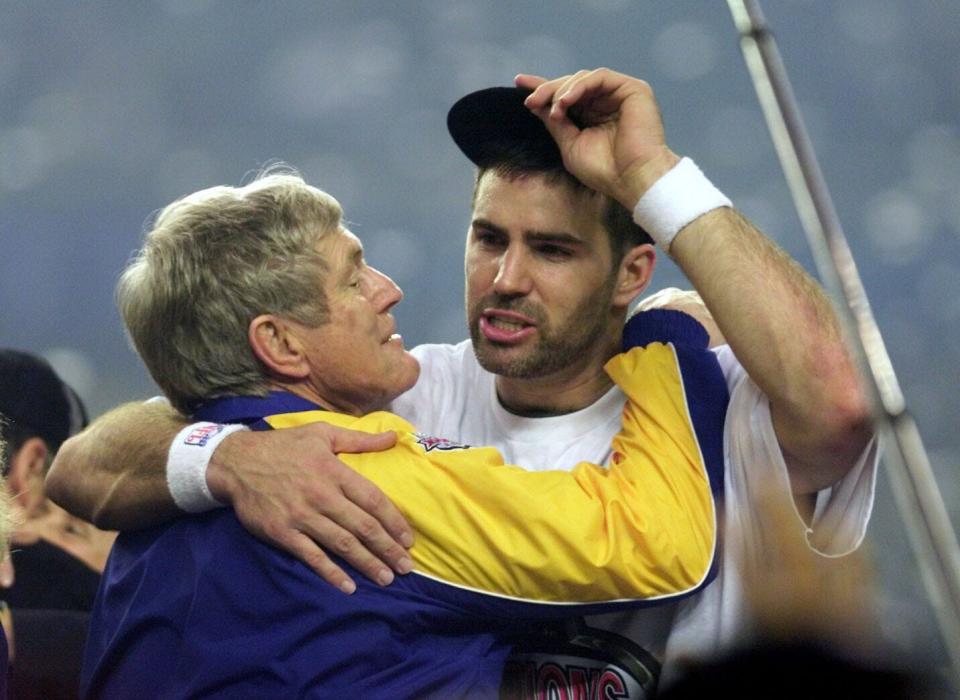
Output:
(551, 267)
(56, 557)
(548, 262)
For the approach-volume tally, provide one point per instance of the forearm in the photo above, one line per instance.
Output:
(783, 330)
(113, 474)
(776, 319)
(772, 313)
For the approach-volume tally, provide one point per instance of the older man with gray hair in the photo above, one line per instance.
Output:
(255, 306)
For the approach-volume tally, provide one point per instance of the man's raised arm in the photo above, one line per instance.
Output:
(775, 317)
(288, 487)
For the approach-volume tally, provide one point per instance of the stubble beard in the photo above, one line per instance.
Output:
(556, 349)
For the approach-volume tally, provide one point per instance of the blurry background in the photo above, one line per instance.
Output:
(109, 110)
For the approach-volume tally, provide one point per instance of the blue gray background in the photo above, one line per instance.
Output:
(109, 110)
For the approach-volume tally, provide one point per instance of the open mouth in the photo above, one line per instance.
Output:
(506, 327)
(505, 323)
(391, 333)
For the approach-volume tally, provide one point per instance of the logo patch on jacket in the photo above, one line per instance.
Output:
(434, 443)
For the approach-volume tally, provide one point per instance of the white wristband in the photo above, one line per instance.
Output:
(681, 195)
(187, 463)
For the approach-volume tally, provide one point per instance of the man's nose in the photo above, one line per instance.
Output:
(386, 292)
(513, 276)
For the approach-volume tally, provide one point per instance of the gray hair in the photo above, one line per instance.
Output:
(212, 262)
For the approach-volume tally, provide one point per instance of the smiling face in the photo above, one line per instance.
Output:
(357, 360)
(540, 277)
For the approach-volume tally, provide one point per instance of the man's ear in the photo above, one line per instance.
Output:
(634, 273)
(276, 344)
(27, 466)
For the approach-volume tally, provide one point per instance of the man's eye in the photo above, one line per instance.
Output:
(554, 251)
(487, 239)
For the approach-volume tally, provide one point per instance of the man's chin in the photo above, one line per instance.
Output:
(414, 375)
(507, 362)
(411, 373)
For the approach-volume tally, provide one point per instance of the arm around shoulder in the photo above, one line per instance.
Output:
(289, 490)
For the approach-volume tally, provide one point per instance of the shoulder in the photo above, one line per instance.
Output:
(214, 542)
(198, 563)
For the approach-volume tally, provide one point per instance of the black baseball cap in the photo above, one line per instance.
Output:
(33, 399)
(493, 127)
(490, 123)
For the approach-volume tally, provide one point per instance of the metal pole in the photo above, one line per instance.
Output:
(915, 489)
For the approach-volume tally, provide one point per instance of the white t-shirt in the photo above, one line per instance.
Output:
(456, 398)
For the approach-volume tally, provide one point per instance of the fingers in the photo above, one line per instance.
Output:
(569, 92)
(7, 573)
(359, 539)
(563, 131)
(289, 488)
(581, 88)
(306, 550)
(371, 499)
(546, 90)
(541, 103)
(525, 80)
(6, 622)
(346, 440)
(315, 538)
(378, 533)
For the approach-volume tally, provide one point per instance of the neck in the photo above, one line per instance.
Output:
(306, 391)
(568, 390)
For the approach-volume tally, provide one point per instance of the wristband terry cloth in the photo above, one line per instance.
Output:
(187, 462)
(683, 194)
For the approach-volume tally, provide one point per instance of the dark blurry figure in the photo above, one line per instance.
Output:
(51, 578)
(813, 630)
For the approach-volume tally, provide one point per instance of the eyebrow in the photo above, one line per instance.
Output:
(353, 257)
(532, 235)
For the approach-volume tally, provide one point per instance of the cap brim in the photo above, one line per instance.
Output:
(489, 123)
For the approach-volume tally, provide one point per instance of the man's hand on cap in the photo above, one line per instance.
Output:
(608, 128)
